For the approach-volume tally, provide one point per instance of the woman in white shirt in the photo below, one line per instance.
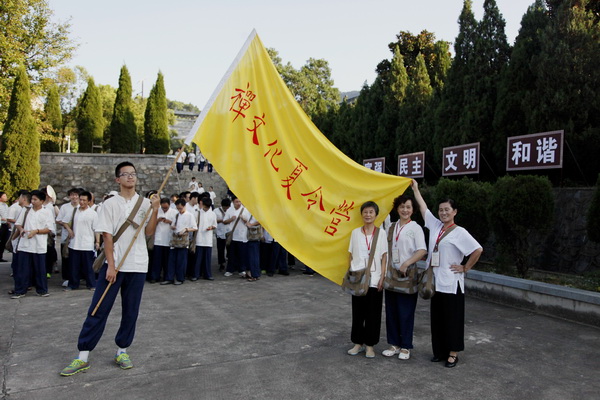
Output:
(446, 252)
(408, 247)
(366, 310)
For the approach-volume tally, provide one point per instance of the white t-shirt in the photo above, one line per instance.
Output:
(241, 230)
(201, 189)
(267, 236)
(205, 237)
(65, 215)
(112, 215)
(193, 186)
(163, 233)
(191, 208)
(187, 220)
(359, 248)
(3, 213)
(222, 229)
(406, 240)
(40, 219)
(192, 158)
(453, 248)
(13, 212)
(181, 158)
(84, 228)
(213, 196)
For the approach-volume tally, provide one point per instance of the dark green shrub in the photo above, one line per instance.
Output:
(520, 208)
(593, 216)
(471, 200)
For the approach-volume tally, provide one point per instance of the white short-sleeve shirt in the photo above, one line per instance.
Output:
(205, 237)
(65, 215)
(163, 233)
(84, 229)
(241, 230)
(406, 240)
(222, 229)
(192, 158)
(453, 248)
(184, 221)
(112, 215)
(359, 248)
(13, 212)
(40, 219)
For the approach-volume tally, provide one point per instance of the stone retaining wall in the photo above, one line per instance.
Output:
(96, 173)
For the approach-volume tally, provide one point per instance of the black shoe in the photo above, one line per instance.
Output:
(308, 273)
(194, 279)
(284, 273)
(166, 282)
(436, 359)
(452, 364)
(209, 278)
(152, 281)
(3, 260)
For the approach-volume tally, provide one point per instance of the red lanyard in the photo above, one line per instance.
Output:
(402, 227)
(366, 240)
(440, 236)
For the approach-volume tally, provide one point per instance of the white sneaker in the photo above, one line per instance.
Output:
(404, 354)
(65, 284)
(392, 351)
(242, 274)
(227, 274)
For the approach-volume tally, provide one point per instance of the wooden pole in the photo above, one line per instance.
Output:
(138, 230)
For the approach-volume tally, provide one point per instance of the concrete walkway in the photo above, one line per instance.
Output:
(282, 337)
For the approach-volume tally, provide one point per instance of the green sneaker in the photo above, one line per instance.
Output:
(76, 366)
(123, 361)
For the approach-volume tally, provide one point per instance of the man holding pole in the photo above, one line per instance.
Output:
(125, 269)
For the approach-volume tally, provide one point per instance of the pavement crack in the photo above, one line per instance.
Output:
(8, 352)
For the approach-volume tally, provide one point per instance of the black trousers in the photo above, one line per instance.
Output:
(4, 236)
(366, 318)
(221, 250)
(447, 323)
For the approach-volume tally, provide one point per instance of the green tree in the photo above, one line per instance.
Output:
(90, 123)
(566, 92)
(54, 120)
(398, 77)
(180, 106)
(448, 127)
(521, 209)
(156, 129)
(122, 134)
(29, 37)
(20, 147)
(518, 82)
(593, 216)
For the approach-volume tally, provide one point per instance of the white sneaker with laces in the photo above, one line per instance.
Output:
(227, 274)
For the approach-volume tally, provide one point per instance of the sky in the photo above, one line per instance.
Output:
(193, 42)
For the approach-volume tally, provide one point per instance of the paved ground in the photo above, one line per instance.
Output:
(283, 338)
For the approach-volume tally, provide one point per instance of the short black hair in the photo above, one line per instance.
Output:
(449, 201)
(371, 204)
(226, 202)
(165, 200)
(194, 195)
(180, 202)
(39, 194)
(86, 194)
(121, 165)
(401, 200)
(206, 201)
(27, 195)
(74, 190)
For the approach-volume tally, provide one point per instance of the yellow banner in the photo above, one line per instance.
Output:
(301, 188)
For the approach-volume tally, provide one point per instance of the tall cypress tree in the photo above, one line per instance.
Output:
(518, 82)
(122, 134)
(20, 147)
(156, 126)
(399, 77)
(54, 118)
(90, 123)
(448, 127)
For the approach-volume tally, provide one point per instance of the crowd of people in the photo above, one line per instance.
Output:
(177, 246)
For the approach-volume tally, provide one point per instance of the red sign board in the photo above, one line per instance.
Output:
(412, 165)
(537, 151)
(461, 160)
(376, 164)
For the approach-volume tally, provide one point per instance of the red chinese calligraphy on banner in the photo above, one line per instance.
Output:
(316, 195)
(242, 100)
(289, 181)
(343, 211)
